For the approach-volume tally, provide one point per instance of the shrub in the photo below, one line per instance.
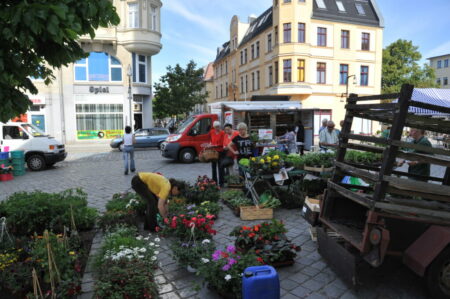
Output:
(188, 227)
(204, 189)
(29, 212)
(126, 202)
(231, 194)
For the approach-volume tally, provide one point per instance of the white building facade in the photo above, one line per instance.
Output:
(441, 66)
(94, 98)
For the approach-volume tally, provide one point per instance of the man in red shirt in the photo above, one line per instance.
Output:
(216, 142)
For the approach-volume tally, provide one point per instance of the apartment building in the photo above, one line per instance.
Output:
(441, 69)
(95, 97)
(312, 51)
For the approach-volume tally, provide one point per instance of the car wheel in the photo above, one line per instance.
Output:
(438, 275)
(160, 145)
(187, 155)
(36, 162)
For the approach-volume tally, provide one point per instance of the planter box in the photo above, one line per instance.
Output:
(236, 211)
(256, 213)
(318, 169)
(311, 210)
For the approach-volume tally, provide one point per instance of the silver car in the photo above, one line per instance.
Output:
(150, 137)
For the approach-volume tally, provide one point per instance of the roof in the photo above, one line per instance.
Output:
(433, 96)
(224, 51)
(261, 23)
(439, 56)
(371, 16)
(260, 105)
(209, 72)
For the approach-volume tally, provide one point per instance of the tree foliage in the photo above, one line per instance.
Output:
(38, 36)
(400, 66)
(179, 91)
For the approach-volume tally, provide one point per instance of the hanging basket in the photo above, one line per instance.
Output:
(208, 155)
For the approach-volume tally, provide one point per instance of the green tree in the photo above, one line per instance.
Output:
(38, 36)
(179, 91)
(400, 65)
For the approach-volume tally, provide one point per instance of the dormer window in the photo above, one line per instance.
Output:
(360, 9)
(340, 6)
(321, 4)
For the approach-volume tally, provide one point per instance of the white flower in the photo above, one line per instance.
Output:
(140, 256)
(143, 249)
(157, 240)
(205, 261)
(206, 241)
(152, 244)
(157, 245)
(227, 277)
(153, 258)
(146, 239)
(156, 252)
(139, 238)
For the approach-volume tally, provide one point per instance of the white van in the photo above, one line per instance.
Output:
(41, 150)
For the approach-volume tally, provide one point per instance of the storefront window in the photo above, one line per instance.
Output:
(98, 66)
(99, 120)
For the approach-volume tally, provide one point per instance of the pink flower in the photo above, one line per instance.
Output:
(216, 255)
(231, 249)
(226, 267)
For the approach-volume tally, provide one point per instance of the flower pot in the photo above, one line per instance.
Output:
(191, 269)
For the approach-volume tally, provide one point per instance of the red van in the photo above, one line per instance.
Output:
(185, 144)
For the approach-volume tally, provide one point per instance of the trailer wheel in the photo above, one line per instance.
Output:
(438, 275)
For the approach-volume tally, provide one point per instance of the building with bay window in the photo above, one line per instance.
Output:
(311, 51)
(95, 97)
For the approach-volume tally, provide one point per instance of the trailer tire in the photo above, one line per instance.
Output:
(438, 275)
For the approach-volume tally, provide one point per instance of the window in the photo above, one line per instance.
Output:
(301, 32)
(439, 64)
(446, 63)
(98, 117)
(221, 91)
(242, 84)
(438, 81)
(360, 9)
(287, 70)
(343, 74)
(98, 66)
(301, 70)
(153, 18)
(287, 32)
(217, 92)
(345, 39)
(245, 56)
(226, 67)
(445, 80)
(321, 36)
(202, 127)
(276, 35)
(253, 51)
(276, 73)
(133, 15)
(270, 72)
(286, 1)
(257, 49)
(226, 89)
(242, 57)
(364, 81)
(321, 4)
(340, 6)
(257, 80)
(246, 83)
(13, 132)
(301, 0)
(365, 41)
(269, 42)
(139, 68)
(253, 81)
(321, 72)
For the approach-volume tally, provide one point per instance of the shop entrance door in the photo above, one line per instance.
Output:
(137, 121)
(38, 121)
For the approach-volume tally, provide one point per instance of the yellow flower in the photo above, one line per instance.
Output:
(262, 161)
(276, 157)
(71, 252)
(275, 164)
(253, 159)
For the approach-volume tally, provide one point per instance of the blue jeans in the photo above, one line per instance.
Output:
(128, 150)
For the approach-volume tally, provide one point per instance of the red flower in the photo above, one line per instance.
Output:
(182, 215)
(166, 220)
(224, 255)
(256, 228)
(194, 218)
(276, 238)
(210, 217)
(251, 235)
(257, 251)
(259, 259)
(157, 228)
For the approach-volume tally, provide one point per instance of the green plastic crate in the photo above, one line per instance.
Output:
(17, 154)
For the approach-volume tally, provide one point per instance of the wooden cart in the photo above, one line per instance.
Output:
(398, 214)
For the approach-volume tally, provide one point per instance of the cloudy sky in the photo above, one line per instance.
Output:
(193, 29)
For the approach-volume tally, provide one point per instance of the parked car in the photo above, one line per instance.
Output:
(150, 137)
(41, 150)
(185, 144)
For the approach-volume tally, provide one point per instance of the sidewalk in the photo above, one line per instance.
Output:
(100, 146)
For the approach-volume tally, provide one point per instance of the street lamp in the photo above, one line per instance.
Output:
(346, 85)
(130, 97)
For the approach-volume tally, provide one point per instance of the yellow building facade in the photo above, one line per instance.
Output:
(312, 51)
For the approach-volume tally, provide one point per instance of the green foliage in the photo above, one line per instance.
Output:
(233, 179)
(126, 202)
(241, 201)
(400, 66)
(191, 253)
(39, 36)
(179, 91)
(319, 159)
(366, 158)
(110, 219)
(267, 200)
(230, 194)
(30, 212)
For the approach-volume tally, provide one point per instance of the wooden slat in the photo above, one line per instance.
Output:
(443, 161)
(353, 236)
(364, 147)
(367, 107)
(405, 192)
(373, 139)
(427, 149)
(413, 210)
(387, 96)
(430, 107)
(351, 170)
(356, 197)
(418, 186)
(424, 204)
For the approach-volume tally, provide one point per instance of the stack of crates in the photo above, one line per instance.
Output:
(4, 159)
(18, 162)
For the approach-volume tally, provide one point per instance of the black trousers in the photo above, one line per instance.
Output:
(214, 167)
(151, 210)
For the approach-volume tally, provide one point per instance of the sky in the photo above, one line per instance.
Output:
(193, 29)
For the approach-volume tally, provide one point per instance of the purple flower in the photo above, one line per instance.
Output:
(226, 267)
(216, 255)
(232, 262)
(231, 249)
(185, 245)
(190, 207)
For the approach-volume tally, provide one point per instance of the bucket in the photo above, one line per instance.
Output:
(260, 282)
(4, 155)
(17, 154)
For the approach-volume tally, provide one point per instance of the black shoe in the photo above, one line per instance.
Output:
(126, 172)
(133, 170)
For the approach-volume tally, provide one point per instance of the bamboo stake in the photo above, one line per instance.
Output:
(52, 267)
(36, 285)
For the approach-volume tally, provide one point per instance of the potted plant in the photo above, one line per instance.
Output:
(189, 254)
(234, 181)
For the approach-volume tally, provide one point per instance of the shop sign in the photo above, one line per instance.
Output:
(265, 134)
(99, 134)
(228, 117)
(99, 89)
(37, 100)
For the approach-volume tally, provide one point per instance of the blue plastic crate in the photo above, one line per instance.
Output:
(4, 155)
(260, 282)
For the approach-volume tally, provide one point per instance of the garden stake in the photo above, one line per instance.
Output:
(72, 221)
(36, 285)
(52, 268)
(4, 230)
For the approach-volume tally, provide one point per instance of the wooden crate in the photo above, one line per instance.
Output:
(318, 169)
(256, 213)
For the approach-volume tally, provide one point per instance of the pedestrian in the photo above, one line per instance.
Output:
(129, 140)
(242, 142)
(417, 167)
(228, 154)
(328, 139)
(155, 189)
(324, 125)
(300, 131)
(216, 143)
(289, 140)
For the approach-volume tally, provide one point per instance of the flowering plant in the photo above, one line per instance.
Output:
(205, 208)
(205, 189)
(267, 163)
(186, 227)
(192, 253)
(223, 269)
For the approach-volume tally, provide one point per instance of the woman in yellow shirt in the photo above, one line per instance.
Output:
(155, 189)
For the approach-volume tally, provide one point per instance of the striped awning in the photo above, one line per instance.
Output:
(434, 96)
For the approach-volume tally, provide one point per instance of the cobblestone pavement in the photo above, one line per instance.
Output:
(101, 175)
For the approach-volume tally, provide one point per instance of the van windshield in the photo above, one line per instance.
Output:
(33, 130)
(184, 125)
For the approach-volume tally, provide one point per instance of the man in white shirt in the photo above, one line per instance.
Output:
(329, 138)
(324, 125)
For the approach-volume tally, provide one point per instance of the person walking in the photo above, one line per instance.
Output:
(216, 143)
(155, 189)
(129, 140)
(300, 131)
(228, 154)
